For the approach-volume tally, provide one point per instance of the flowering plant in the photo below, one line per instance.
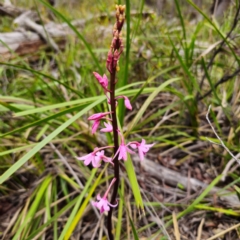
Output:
(120, 150)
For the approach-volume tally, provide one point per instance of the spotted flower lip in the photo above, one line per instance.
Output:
(103, 204)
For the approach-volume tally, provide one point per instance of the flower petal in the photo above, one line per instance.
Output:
(108, 128)
(95, 126)
(127, 103)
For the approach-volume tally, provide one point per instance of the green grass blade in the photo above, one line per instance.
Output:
(71, 223)
(134, 183)
(120, 211)
(32, 210)
(45, 141)
(147, 103)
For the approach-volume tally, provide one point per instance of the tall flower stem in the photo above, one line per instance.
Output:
(116, 146)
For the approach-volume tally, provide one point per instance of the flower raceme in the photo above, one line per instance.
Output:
(121, 148)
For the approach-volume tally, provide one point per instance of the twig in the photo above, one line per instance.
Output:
(222, 143)
(25, 21)
(235, 21)
(218, 235)
(175, 225)
(10, 10)
(174, 178)
(200, 229)
(228, 165)
(66, 163)
(222, 80)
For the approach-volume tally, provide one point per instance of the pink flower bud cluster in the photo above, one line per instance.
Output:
(116, 47)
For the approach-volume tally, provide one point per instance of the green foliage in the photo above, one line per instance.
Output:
(47, 101)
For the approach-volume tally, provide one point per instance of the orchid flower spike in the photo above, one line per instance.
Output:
(103, 80)
(142, 147)
(103, 204)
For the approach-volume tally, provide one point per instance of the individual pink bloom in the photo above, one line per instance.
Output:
(143, 148)
(98, 116)
(95, 126)
(127, 103)
(103, 204)
(100, 156)
(90, 158)
(108, 128)
(123, 149)
(103, 80)
(96, 157)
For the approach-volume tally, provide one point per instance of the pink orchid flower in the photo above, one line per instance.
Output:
(126, 102)
(95, 126)
(103, 80)
(123, 149)
(143, 148)
(103, 204)
(100, 156)
(90, 158)
(96, 157)
(108, 128)
(96, 118)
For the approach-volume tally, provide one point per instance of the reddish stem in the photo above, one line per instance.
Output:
(116, 146)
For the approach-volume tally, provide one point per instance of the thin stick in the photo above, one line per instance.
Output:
(200, 229)
(175, 224)
(222, 143)
(224, 232)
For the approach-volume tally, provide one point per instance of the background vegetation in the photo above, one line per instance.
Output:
(173, 67)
